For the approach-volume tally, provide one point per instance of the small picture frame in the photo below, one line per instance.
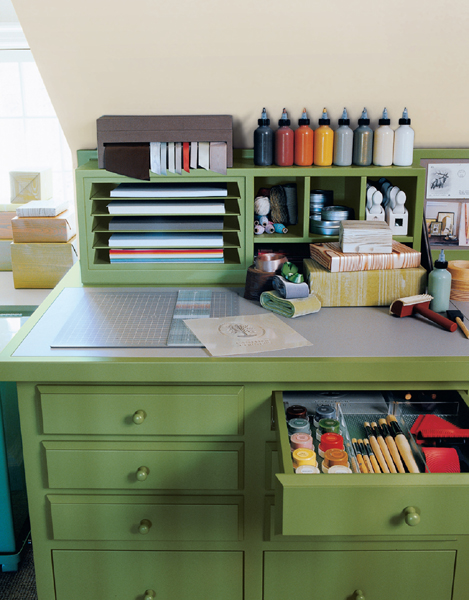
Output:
(428, 223)
(435, 228)
(447, 223)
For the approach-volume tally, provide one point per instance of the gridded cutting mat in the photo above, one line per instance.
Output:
(150, 318)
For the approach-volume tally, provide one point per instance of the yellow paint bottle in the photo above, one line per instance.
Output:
(323, 142)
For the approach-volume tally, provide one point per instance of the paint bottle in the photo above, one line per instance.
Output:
(343, 142)
(284, 142)
(304, 140)
(363, 142)
(439, 285)
(263, 142)
(404, 142)
(323, 142)
(383, 143)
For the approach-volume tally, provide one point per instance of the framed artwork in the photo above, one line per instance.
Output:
(435, 228)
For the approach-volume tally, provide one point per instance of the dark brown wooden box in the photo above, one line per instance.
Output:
(191, 128)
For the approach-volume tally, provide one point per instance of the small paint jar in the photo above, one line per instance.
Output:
(301, 440)
(327, 426)
(323, 412)
(333, 457)
(296, 411)
(298, 426)
(329, 441)
(304, 456)
(339, 469)
(307, 470)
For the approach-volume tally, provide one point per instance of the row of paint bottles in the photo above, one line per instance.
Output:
(324, 147)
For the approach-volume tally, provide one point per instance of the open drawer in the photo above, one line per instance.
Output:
(358, 504)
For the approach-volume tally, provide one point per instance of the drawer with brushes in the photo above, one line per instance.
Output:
(142, 410)
(375, 504)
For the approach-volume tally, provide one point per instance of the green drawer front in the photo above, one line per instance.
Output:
(144, 466)
(146, 410)
(96, 575)
(409, 575)
(146, 519)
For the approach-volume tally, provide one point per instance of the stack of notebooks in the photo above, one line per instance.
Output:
(361, 279)
(165, 223)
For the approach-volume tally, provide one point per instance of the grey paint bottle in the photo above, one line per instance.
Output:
(263, 142)
(363, 142)
(343, 142)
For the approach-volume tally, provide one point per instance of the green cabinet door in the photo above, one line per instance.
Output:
(135, 575)
(378, 575)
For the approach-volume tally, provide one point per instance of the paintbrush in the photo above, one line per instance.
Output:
(366, 458)
(376, 448)
(372, 457)
(458, 317)
(361, 464)
(403, 444)
(391, 444)
(412, 305)
(384, 449)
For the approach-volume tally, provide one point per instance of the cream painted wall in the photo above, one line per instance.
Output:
(234, 57)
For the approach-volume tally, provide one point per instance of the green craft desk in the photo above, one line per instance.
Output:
(164, 473)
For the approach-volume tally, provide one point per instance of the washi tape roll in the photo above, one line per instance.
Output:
(301, 440)
(304, 456)
(298, 426)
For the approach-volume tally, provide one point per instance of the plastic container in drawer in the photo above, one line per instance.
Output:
(409, 503)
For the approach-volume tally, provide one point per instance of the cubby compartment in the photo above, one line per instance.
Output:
(414, 506)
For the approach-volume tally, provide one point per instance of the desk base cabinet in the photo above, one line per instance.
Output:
(128, 511)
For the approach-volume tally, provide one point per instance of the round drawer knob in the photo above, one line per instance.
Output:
(142, 473)
(359, 595)
(139, 416)
(144, 526)
(149, 595)
(412, 516)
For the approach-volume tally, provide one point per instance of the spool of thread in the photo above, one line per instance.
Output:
(301, 440)
(324, 411)
(296, 411)
(459, 270)
(298, 425)
(257, 281)
(304, 456)
(330, 441)
(307, 470)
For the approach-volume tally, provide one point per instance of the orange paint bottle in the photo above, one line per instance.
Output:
(323, 142)
(284, 142)
(304, 142)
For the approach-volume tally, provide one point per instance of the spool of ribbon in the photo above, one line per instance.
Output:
(270, 262)
(459, 270)
(290, 272)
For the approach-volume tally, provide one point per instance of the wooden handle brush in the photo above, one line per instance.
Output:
(403, 444)
(376, 448)
(384, 449)
(391, 444)
(372, 457)
(361, 463)
(366, 458)
(412, 305)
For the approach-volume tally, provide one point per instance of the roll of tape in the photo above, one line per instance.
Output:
(270, 262)
(459, 270)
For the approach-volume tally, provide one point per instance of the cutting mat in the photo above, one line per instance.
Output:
(141, 318)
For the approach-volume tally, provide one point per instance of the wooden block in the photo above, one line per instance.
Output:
(6, 232)
(363, 288)
(30, 185)
(44, 229)
(5, 255)
(41, 265)
(369, 237)
(330, 256)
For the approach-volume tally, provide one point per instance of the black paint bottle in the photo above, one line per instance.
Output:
(263, 142)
